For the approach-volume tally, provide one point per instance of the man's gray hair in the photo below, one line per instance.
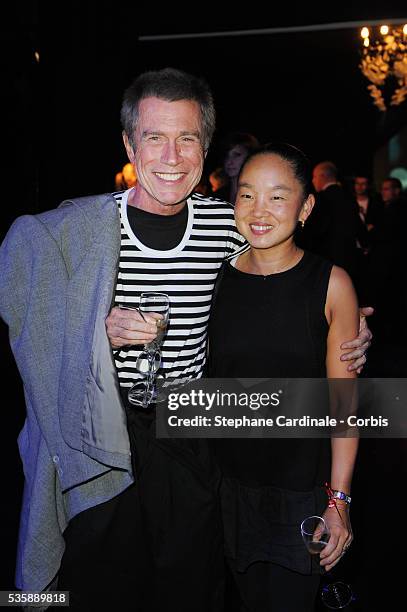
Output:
(171, 85)
(329, 170)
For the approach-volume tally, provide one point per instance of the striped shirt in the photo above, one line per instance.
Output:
(186, 273)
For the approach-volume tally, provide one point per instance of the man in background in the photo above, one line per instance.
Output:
(390, 190)
(385, 262)
(331, 231)
(369, 207)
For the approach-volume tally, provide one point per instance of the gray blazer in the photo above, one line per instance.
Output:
(58, 274)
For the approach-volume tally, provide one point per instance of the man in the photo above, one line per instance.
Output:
(156, 543)
(385, 263)
(390, 189)
(369, 214)
(333, 226)
(369, 208)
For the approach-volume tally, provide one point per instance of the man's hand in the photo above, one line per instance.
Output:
(126, 326)
(360, 344)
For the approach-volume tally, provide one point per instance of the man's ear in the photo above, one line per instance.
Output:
(128, 147)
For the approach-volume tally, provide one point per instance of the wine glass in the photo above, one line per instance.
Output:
(316, 534)
(144, 391)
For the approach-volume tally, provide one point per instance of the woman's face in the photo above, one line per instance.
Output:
(269, 201)
(234, 160)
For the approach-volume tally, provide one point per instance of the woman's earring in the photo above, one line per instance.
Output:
(302, 223)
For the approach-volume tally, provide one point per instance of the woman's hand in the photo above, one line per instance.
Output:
(341, 535)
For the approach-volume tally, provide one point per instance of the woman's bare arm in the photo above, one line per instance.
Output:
(342, 313)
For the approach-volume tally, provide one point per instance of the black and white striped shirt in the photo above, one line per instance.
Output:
(187, 273)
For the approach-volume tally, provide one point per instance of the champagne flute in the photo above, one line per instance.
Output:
(144, 391)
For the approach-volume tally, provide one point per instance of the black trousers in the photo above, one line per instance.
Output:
(268, 587)
(158, 545)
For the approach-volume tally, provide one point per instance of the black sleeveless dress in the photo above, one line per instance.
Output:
(271, 326)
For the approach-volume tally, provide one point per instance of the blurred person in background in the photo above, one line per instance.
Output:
(237, 146)
(391, 190)
(332, 229)
(217, 180)
(385, 284)
(369, 207)
(368, 203)
(126, 178)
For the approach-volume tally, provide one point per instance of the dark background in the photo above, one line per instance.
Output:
(63, 112)
(62, 138)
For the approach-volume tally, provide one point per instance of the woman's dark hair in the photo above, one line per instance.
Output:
(244, 139)
(298, 161)
(171, 85)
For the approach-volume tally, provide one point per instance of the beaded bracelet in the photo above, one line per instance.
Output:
(341, 496)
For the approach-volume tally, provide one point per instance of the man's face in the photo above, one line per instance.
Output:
(318, 178)
(361, 185)
(388, 191)
(168, 154)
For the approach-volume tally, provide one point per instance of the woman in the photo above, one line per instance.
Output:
(272, 297)
(237, 147)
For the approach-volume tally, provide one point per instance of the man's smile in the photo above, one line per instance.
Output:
(169, 176)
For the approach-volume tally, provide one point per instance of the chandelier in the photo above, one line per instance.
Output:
(384, 64)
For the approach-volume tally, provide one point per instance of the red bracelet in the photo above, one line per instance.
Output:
(331, 498)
